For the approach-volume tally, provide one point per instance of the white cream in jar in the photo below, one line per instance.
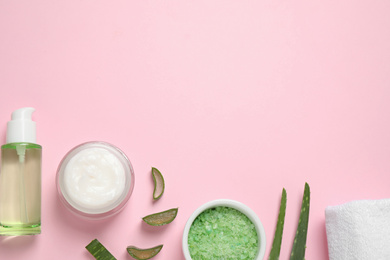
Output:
(95, 180)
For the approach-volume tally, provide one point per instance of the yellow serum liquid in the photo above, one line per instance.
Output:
(20, 189)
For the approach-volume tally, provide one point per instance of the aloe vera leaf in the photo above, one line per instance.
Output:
(276, 244)
(143, 254)
(159, 183)
(99, 251)
(299, 246)
(161, 218)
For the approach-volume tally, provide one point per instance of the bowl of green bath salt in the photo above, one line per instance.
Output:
(224, 229)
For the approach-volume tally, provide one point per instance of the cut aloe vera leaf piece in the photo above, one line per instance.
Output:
(299, 246)
(276, 244)
(143, 254)
(161, 218)
(99, 251)
(159, 183)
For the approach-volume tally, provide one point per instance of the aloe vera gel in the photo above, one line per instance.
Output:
(223, 233)
(20, 177)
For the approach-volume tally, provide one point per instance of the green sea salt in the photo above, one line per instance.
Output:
(222, 233)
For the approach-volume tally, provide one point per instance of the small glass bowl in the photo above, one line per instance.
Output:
(232, 204)
(108, 210)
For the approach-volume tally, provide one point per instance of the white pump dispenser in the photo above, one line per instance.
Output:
(21, 128)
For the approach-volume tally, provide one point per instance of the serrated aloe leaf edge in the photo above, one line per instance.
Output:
(276, 245)
(299, 246)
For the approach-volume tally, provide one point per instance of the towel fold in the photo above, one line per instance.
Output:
(359, 230)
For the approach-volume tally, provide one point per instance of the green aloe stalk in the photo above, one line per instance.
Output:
(299, 246)
(276, 244)
(99, 251)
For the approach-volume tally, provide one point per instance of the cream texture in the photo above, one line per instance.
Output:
(94, 179)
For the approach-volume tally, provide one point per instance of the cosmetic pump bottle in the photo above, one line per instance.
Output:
(20, 177)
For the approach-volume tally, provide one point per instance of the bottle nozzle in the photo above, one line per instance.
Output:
(23, 113)
(21, 128)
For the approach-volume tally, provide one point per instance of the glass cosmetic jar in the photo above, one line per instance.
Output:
(95, 180)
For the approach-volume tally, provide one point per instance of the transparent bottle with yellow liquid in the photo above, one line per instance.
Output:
(20, 177)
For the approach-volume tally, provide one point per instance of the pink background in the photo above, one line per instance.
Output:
(229, 99)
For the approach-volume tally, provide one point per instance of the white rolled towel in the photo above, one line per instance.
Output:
(359, 230)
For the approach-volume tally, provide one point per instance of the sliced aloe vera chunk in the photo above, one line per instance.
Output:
(276, 244)
(299, 246)
(143, 254)
(159, 183)
(161, 218)
(99, 251)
